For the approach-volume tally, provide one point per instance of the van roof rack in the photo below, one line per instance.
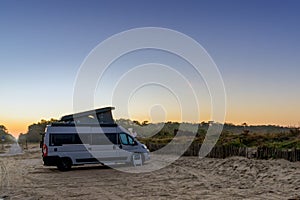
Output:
(99, 116)
(63, 124)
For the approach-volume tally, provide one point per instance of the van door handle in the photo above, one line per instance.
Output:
(114, 147)
(89, 148)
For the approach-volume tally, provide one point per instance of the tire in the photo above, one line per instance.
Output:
(64, 164)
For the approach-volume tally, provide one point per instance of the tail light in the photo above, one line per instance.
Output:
(45, 150)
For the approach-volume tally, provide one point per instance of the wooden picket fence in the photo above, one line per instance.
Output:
(225, 151)
(292, 155)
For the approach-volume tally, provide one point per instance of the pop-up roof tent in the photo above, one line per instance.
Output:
(101, 116)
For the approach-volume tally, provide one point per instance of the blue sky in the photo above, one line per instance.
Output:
(255, 45)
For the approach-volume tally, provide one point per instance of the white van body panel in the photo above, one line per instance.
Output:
(94, 145)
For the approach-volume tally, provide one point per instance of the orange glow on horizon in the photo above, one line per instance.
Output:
(17, 126)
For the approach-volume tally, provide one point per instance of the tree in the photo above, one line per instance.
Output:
(137, 122)
(4, 132)
(3, 129)
(145, 123)
(35, 130)
(244, 124)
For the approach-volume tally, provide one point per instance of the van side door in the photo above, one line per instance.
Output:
(127, 146)
(103, 146)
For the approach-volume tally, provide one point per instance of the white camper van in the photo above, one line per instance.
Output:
(90, 137)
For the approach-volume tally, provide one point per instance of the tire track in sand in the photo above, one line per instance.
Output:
(4, 180)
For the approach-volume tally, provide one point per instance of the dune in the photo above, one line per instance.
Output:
(24, 177)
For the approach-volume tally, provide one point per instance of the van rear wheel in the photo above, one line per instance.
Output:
(64, 164)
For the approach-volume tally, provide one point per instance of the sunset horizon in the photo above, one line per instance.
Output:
(131, 99)
(252, 46)
(22, 128)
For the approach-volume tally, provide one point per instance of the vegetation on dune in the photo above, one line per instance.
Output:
(162, 133)
(289, 139)
(236, 135)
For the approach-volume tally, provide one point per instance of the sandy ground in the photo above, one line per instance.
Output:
(12, 149)
(24, 177)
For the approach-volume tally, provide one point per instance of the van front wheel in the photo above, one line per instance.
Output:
(64, 164)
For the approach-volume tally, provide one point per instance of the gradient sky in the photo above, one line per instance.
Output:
(255, 45)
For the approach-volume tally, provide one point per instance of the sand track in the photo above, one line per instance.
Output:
(24, 177)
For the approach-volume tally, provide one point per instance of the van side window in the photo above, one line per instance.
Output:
(126, 139)
(123, 138)
(130, 139)
(85, 138)
(104, 139)
(112, 137)
(60, 139)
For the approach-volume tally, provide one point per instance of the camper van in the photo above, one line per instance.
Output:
(90, 137)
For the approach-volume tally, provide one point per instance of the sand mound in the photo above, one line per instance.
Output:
(24, 177)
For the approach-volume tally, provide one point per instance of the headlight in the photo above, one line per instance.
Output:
(144, 146)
